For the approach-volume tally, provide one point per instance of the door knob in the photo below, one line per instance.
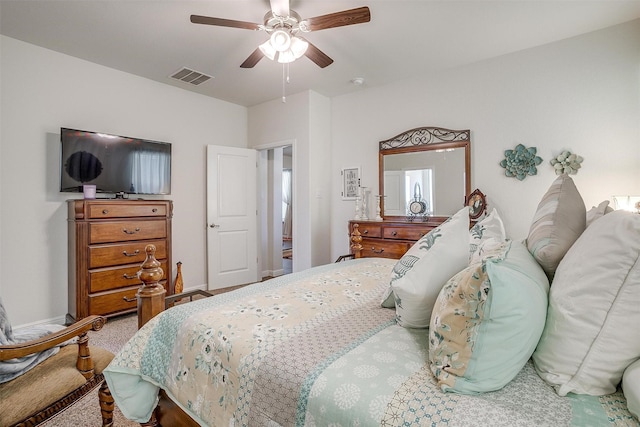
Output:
(214, 226)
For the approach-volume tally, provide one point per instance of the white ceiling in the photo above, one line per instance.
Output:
(154, 39)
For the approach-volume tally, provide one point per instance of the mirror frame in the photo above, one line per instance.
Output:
(420, 139)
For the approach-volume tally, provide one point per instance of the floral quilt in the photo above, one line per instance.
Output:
(315, 348)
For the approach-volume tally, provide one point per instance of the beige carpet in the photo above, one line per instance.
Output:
(86, 412)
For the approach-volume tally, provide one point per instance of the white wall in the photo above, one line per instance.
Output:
(580, 94)
(303, 119)
(43, 90)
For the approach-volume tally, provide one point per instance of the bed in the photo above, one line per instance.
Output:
(316, 348)
(468, 328)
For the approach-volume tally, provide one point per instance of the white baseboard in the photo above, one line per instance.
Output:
(53, 321)
(202, 287)
(272, 273)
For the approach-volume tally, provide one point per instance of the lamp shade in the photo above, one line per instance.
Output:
(286, 57)
(280, 40)
(627, 203)
(267, 49)
(298, 47)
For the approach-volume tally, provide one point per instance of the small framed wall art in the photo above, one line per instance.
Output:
(350, 183)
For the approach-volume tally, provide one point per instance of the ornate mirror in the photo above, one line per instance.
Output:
(425, 173)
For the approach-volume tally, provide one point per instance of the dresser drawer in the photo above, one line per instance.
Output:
(119, 231)
(113, 302)
(124, 210)
(370, 230)
(124, 253)
(405, 233)
(384, 248)
(113, 278)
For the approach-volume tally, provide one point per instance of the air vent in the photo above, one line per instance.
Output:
(190, 76)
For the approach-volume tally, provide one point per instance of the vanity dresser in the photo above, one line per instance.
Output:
(107, 240)
(425, 177)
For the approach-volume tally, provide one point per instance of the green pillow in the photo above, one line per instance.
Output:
(487, 321)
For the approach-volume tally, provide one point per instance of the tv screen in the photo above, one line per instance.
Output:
(114, 164)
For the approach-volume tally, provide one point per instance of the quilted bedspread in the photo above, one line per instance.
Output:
(316, 349)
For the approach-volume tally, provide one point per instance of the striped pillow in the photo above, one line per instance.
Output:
(558, 222)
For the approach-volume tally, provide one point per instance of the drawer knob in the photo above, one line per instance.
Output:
(105, 211)
(131, 231)
(365, 232)
(130, 277)
(395, 233)
(129, 299)
(154, 210)
(379, 251)
(136, 252)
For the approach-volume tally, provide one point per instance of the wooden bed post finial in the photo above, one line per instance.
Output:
(356, 241)
(151, 293)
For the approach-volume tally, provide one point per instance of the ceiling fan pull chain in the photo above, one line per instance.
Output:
(285, 77)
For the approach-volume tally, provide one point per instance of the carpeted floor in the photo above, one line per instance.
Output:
(86, 412)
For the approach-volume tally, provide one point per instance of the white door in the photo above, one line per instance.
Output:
(232, 232)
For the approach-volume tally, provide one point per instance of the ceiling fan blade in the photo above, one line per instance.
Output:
(253, 59)
(221, 22)
(280, 8)
(358, 15)
(316, 55)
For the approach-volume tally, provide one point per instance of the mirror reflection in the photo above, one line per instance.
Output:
(435, 177)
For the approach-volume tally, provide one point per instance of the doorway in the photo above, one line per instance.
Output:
(277, 209)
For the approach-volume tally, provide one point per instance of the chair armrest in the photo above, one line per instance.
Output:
(26, 348)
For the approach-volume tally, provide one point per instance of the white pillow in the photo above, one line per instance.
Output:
(491, 227)
(631, 388)
(593, 315)
(419, 275)
(598, 211)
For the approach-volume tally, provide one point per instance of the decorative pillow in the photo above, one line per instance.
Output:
(491, 227)
(421, 272)
(557, 223)
(631, 388)
(598, 212)
(591, 334)
(487, 321)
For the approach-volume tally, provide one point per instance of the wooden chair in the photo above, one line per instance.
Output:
(58, 381)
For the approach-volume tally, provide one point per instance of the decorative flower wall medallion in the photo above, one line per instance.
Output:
(520, 162)
(567, 162)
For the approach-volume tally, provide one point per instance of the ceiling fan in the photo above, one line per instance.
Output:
(283, 25)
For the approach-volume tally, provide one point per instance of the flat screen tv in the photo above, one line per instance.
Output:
(114, 164)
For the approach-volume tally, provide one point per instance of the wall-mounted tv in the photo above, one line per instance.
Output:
(114, 164)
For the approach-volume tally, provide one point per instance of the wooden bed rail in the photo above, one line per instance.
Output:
(151, 294)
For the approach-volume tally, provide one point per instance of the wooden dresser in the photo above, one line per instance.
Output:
(107, 239)
(390, 239)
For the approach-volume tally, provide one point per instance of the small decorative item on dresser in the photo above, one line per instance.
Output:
(378, 209)
(179, 284)
(364, 213)
(89, 191)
